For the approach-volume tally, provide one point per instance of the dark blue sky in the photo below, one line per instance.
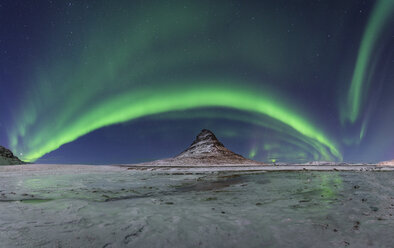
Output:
(130, 81)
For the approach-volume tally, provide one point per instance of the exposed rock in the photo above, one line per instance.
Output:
(8, 158)
(387, 163)
(205, 150)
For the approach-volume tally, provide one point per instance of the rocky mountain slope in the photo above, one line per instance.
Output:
(387, 163)
(205, 150)
(8, 158)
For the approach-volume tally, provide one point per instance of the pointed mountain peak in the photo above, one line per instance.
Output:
(206, 135)
(206, 149)
(205, 143)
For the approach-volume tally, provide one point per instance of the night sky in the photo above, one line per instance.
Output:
(101, 82)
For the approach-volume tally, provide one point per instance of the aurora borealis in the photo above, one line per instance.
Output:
(130, 81)
(379, 16)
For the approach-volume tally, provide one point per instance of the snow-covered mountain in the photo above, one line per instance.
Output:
(206, 149)
(8, 158)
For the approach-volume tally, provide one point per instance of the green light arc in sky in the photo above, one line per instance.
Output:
(146, 62)
(133, 105)
(284, 133)
(382, 11)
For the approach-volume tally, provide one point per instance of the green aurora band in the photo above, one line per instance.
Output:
(382, 12)
(120, 70)
(133, 105)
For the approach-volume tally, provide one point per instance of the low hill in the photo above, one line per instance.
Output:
(8, 158)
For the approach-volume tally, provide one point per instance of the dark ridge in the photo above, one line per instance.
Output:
(8, 158)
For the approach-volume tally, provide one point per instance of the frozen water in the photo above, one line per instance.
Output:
(131, 208)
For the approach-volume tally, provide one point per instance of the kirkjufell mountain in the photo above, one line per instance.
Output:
(206, 149)
(8, 158)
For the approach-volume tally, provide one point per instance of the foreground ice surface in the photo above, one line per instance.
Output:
(129, 208)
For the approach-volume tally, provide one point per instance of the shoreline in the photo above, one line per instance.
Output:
(263, 168)
(193, 168)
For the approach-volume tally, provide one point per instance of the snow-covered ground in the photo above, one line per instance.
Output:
(104, 206)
